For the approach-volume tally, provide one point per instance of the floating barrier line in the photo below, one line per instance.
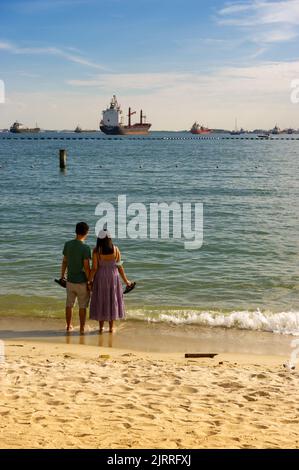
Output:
(148, 138)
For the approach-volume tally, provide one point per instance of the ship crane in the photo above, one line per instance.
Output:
(129, 116)
(142, 117)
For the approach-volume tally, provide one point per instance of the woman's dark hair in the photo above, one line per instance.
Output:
(82, 228)
(105, 246)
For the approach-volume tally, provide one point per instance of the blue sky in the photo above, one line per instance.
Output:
(181, 60)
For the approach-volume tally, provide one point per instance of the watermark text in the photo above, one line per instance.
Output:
(165, 221)
(2, 92)
(295, 91)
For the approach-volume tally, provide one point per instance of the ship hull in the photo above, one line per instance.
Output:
(24, 131)
(137, 129)
(201, 131)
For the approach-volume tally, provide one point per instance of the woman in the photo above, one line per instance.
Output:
(107, 296)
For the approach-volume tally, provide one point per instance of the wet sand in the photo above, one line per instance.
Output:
(150, 337)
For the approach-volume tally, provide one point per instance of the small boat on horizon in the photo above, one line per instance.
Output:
(79, 130)
(265, 136)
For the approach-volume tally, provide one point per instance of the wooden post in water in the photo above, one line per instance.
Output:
(62, 159)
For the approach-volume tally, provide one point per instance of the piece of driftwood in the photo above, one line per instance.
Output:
(211, 355)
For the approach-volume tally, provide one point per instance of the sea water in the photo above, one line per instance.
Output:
(245, 275)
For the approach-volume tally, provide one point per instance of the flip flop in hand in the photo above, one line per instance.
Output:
(61, 282)
(129, 287)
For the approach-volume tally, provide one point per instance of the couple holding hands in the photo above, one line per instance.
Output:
(98, 283)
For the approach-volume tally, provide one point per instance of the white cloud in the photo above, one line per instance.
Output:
(269, 21)
(277, 35)
(58, 52)
(133, 81)
(261, 12)
(262, 78)
(6, 46)
(238, 8)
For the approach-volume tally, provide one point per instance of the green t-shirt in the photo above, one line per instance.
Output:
(76, 252)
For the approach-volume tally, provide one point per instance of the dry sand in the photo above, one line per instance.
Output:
(68, 396)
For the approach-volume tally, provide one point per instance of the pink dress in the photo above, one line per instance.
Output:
(107, 301)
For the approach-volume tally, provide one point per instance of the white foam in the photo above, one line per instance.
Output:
(286, 323)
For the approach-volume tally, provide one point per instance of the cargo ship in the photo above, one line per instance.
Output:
(197, 129)
(112, 122)
(18, 128)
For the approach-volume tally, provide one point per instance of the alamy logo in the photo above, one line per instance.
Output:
(178, 221)
(2, 91)
(295, 91)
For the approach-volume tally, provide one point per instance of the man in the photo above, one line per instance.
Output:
(76, 256)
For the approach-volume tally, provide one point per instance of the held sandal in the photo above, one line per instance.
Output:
(129, 288)
(61, 282)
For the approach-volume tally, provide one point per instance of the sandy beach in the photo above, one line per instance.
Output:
(72, 396)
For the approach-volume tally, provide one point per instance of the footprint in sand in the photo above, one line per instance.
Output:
(259, 376)
(151, 386)
(261, 393)
(37, 419)
(185, 407)
(188, 389)
(127, 425)
(54, 402)
(231, 385)
(62, 420)
(249, 398)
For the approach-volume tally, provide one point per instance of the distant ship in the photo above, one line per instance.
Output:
(276, 130)
(18, 128)
(112, 122)
(79, 129)
(237, 131)
(197, 129)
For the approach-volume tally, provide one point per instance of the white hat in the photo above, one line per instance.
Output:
(104, 233)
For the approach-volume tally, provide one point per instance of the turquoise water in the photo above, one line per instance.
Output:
(246, 273)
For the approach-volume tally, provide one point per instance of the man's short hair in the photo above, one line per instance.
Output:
(82, 228)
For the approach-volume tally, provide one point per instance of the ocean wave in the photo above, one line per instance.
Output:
(286, 323)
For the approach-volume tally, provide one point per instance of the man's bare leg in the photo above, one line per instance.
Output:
(68, 318)
(82, 316)
(101, 324)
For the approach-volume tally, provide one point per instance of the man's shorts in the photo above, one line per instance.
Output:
(77, 291)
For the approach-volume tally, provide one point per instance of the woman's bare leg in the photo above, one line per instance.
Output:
(68, 318)
(111, 326)
(101, 323)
